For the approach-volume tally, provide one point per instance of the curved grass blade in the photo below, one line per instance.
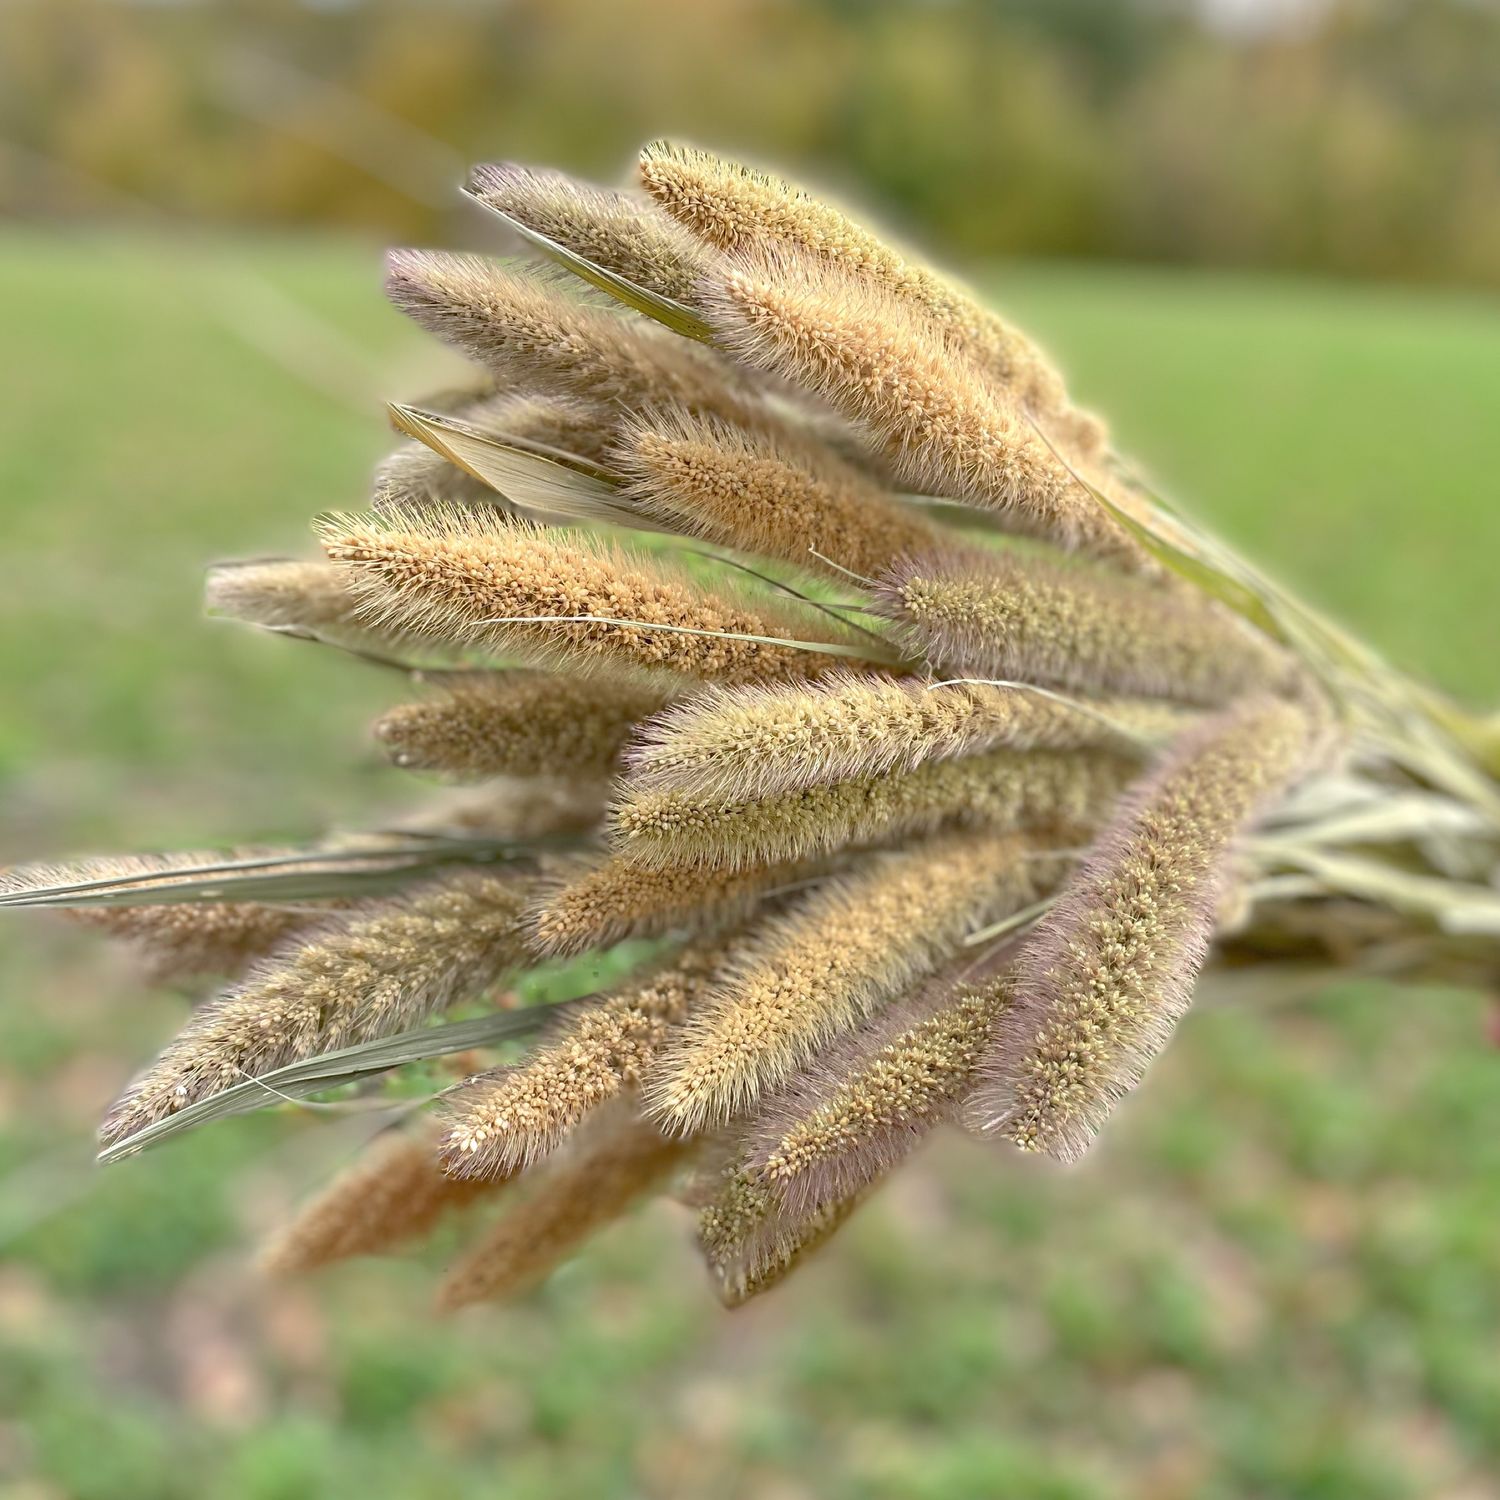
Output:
(677, 316)
(556, 487)
(303, 876)
(315, 1075)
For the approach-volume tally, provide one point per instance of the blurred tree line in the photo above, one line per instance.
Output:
(1363, 140)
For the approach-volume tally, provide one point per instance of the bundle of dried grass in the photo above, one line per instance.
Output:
(881, 903)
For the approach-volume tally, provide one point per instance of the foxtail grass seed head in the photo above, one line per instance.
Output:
(616, 1159)
(517, 723)
(733, 207)
(308, 597)
(394, 1193)
(753, 742)
(777, 495)
(501, 1121)
(815, 744)
(1014, 615)
(864, 1105)
(813, 973)
(751, 1243)
(1000, 790)
(1107, 974)
(930, 411)
(371, 971)
(595, 905)
(458, 578)
(536, 333)
(621, 231)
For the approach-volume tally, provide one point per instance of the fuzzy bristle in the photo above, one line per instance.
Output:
(733, 207)
(305, 596)
(868, 1102)
(615, 1159)
(999, 790)
(366, 972)
(811, 974)
(933, 416)
(1103, 980)
(600, 904)
(775, 494)
(1023, 616)
(753, 742)
(532, 329)
(395, 1192)
(501, 1121)
(621, 231)
(460, 577)
(750, 1243)
(517, 723)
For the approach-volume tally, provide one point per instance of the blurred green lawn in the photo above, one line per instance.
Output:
(1279, 1276)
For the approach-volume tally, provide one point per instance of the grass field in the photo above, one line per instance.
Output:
(1278, 1277)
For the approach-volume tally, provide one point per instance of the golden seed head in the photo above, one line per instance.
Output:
(1063, 623)
(623, 232)
(507, 1119)
(1106, 975)
(734, 208)
(307, 597)
(517, 723)
(870, 1100)
(616, 1159)
(458, 577)
(604, 903)
(395, 1192)
(533, 330)
(754, 742)
(810, 975)
(929, 410)
(999, 790)
(367, 972)
(777, 494)
(750, 1243)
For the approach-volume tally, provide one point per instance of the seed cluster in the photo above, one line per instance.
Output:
(827, 719)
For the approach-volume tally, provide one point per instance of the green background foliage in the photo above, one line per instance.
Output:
(1278, 1276)
(1360, 137)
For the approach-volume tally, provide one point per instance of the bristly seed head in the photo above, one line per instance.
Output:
(367, 972)
(869, 1101)
(623, 232)
(1109, 971)
(812, 974)
(753, 742)
(1059, 622)
(777, 494)
(733, 207)
(517, 723)
(750, 1243)
(533, 330)
(504, 1120)
(613, 1161)
(600, 904)
(934, 417)
(458, 577)
(394, 1193)
(1000, 790)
